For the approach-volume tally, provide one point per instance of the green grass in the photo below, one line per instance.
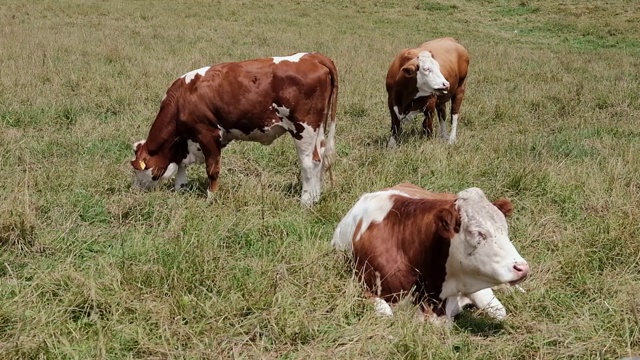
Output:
(90, 268)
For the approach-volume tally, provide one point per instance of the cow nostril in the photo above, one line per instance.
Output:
(522, 269)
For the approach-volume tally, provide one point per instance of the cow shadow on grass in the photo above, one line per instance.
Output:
(478, 324)
(409, 135)
(290, 190)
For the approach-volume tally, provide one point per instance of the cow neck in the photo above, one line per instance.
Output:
(429, 251)
(163, 133)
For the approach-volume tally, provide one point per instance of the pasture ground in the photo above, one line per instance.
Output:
(90, 268)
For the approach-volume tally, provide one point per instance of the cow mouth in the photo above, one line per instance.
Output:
(441, 91)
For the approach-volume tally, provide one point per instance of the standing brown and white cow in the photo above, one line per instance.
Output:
(449, 249)
(255, 100)
(414, 85)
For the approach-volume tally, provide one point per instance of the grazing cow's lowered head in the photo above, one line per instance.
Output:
(449, 249)
(149, 171)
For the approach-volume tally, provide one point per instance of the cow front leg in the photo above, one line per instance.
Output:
(487, 301)
(395, 126)
(310, 164)
(211, 147)
(181, 177)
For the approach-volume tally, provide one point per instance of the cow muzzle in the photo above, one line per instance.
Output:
(443, 89)
(521, 271)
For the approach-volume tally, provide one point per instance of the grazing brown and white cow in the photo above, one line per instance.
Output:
(448, 249)
(255, 100)
(415, 85)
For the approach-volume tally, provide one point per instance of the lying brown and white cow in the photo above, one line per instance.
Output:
(255, 100)
(414, 85)
(449, 249)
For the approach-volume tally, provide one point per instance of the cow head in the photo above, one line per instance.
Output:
(481, 254)
(149, 170)
(426, 70)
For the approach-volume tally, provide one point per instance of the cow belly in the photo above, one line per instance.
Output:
(265, 136)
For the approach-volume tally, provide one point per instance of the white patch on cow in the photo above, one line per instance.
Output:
(370, 208)
(195, 155)
(264, 136)
(485, 300)
(311, 170)
(144, 180)
(281, 111)
(181, 178)
(429, 77)
(481, 255)
(192, 74)
(292, 58)
(382, 307)
(454, 128)
(395, 109)
(405, 118)
(163, 97)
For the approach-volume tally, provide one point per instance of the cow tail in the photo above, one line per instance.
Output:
(329, 124)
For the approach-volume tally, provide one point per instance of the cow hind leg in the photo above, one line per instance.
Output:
(211, 149)
(310, 156)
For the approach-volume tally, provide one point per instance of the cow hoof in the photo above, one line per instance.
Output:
(308, 200)
(392, 143)
(180, 187)
(210, 195)
(452, 141)
(382, 308)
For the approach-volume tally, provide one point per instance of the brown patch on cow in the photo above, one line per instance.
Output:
(409, 249)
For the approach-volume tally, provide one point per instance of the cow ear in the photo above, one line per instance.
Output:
(504, 205)
(409, 70)
(137, 144)
(448, 222)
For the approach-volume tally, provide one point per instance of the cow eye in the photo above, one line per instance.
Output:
(482, 235)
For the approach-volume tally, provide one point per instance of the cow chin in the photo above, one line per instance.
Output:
(142, 179)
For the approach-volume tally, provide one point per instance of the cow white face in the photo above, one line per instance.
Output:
(143, 177)
(481, 255)
(430, 79)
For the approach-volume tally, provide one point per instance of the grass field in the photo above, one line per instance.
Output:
(90, 268)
